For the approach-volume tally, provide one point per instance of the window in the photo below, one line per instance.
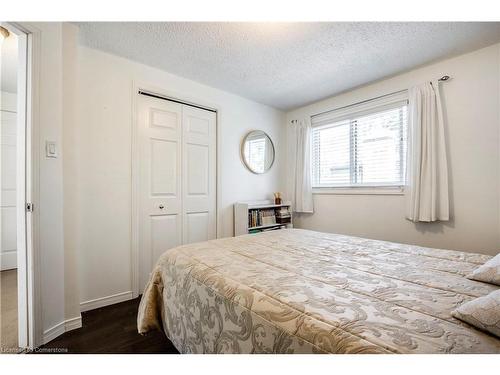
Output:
(360, 146)
(255, 149)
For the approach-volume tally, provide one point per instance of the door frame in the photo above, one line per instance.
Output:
(28, 287)
(135, 213)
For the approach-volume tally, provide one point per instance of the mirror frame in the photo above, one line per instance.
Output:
(242, 151)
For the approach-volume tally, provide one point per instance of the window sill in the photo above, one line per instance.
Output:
(382, 190)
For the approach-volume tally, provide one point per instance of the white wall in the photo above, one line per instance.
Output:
(57, 269)
(70, 169)
(103, 142)
(471, 101)
(50, 204)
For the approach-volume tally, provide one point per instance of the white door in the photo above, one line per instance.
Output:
(177, 162)
(199, 170)
(8, 212)
(160, 151)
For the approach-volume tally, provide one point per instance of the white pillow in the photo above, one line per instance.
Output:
(482, 313)
(488, 272)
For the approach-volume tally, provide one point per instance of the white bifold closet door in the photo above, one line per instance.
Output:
(177, 157)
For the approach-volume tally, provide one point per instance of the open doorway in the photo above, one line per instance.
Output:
(13, 190)
(8, 177)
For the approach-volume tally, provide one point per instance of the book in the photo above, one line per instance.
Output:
(261, 217)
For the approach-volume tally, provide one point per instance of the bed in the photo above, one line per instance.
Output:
(299, 291)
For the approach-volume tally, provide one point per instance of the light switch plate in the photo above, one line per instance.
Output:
(50, 149)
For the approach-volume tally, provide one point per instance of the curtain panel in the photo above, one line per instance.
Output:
(302, 198)
(427, 169)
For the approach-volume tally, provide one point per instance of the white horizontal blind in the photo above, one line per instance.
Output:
(255, 150)
(362, 148)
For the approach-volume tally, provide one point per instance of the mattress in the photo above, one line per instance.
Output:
(299, 291)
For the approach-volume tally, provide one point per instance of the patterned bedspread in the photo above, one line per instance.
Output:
(299, 291)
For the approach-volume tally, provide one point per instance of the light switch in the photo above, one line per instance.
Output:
(50, 149)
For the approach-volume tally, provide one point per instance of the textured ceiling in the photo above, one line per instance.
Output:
(287, 65)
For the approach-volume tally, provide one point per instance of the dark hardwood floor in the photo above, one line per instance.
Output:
(111, 329)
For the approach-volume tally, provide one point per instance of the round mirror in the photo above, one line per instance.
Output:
(257, 151)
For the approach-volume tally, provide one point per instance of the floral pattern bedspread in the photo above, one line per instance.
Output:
(299, 291)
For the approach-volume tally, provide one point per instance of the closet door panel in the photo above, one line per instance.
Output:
(199, 171)
(198, 159)
(197, 226)
(160, 164)
(164, 233)
(177, 187)
(163, 174)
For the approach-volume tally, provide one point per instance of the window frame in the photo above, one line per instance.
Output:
(358, 110)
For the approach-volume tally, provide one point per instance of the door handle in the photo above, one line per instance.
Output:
(161, 206)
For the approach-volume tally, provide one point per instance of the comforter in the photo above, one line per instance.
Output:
(299, 291)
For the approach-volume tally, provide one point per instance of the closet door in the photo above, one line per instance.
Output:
(177, 172)
(199, 174)
(160, 165)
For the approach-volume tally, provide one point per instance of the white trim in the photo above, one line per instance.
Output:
(359, 109)
(29, 266)
(106, 301)
(344, 117)
(134, 222)
(8, 260)
(383, 190)
(73, 323)
(35, 324)
(60, 328)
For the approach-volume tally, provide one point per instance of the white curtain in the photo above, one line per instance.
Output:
(302, 198)
(427, 170)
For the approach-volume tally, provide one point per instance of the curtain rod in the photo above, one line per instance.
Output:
(145, 93)
(442, 79)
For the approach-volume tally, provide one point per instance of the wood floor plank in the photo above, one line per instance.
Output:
(111, 330)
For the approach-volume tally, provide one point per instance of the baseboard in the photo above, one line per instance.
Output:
(8, 260)
(60, 328)
(74, 323)
(106, 301)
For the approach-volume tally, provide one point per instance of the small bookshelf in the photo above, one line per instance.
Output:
(260, 216)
